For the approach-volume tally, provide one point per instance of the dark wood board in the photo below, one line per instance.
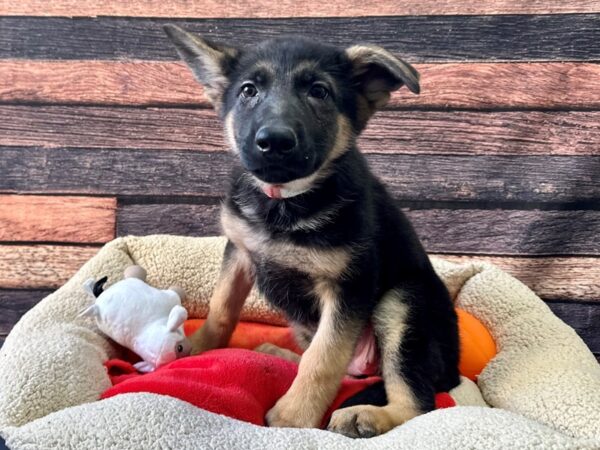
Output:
(15, 303)
(290, 8)
(499, 232)
(556, 85)
(508, 232)
(408, 132)
(409, 177)
(584, 318)
(570, 37)
(179, 219)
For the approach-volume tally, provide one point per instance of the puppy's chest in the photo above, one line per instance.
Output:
(317, 262)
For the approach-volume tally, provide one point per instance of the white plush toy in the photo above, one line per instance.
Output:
(144, 319)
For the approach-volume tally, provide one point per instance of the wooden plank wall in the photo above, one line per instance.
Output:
(104, 133)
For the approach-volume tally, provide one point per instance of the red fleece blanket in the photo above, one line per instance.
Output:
(235, 382)
(238, 383)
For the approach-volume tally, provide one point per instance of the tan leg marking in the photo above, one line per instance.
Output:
(321, 369)
(389, 321)
(233, 286)
(272, 349)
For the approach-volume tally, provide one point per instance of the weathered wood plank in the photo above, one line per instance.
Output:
(57, 219)
(584, 318)
(15, 303)
(99, 82)
(290, 8)
(40, 266)
(155, 83)
(449, 38)
(508, 232)
(499, 232)
(59, 126)
(552, 278)
(414, 132)
(199, 174)
(180, 219)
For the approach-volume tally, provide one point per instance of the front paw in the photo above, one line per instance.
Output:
(202, 341)
(288, 412)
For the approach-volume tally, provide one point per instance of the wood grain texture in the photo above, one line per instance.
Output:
(40, 266)
(552, 278)
(155, 83)
(179, 219)
(568, 37)
(508, 232)
(15, 303)
(57, 219)
(99, 82)
(197, 174)
(407, 132)
(290, 8)
(584, 318)
(500, 232)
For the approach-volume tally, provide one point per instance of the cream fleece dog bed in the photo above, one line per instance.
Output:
(544, 384)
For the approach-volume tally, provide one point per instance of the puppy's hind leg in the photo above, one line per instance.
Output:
(272, 349)
(233, 286)
(405, 397)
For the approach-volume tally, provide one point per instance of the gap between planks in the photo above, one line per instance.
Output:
(558, 85)
(47, 266)
(291, 8)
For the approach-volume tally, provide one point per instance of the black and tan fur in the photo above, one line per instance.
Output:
(318, 233)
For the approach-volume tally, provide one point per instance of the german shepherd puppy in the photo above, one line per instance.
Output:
(318, 233)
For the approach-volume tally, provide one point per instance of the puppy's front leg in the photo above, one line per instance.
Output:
(233, 286)
(322, 367)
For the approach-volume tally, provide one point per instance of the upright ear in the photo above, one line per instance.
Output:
(377, 73)
(177, 316)
(211, 63)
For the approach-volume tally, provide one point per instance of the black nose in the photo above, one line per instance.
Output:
(275, 140)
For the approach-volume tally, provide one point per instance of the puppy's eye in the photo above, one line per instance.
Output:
(249, 90)
(318, 91)
(179, 348)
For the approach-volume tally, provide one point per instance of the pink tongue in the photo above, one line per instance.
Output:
(273, 190)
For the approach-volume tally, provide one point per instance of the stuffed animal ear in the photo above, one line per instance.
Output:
(177, 316)
(91, 311)
(136, 272)
(179, 291)
(88, 286)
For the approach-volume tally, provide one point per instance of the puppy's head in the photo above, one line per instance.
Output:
(292, 105)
